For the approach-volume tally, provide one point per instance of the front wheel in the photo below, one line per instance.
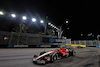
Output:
(54, 57)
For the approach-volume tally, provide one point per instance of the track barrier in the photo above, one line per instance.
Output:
(41, 46)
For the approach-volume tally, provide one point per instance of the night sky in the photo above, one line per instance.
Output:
(83, 16)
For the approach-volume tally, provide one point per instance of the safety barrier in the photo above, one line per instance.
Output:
(93, 46)
(78, 45)
(20, 46)
(28, 46)
(3, 46)
(41, 46)
(75, 45)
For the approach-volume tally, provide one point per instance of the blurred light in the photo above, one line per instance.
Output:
(49, 23)
(1, 13)
(66, 21)
(67, 28)
(41, 21)
(46, 16)
(5, 38)
(24, 17)
(33, 19)
(13, 15)
(98, 35)
(81, 34)
(55, 27)
(90, 34)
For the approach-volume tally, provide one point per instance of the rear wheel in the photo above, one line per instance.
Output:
(72, 53)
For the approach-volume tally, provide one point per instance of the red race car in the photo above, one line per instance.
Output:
(53, 55)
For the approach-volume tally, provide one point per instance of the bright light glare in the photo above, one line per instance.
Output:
(33, 19)
(55, 27)
(66, 21)
(24, 17)
(52, 25)
(67, 28)
(49, 23)
(42, 21)
(13, 15)
(81, 34)
(1, 13)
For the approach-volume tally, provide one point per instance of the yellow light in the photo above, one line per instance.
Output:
(5, 38)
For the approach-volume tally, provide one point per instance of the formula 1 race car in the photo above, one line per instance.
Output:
(53, 55)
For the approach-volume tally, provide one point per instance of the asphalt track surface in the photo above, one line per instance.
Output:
(22, 57)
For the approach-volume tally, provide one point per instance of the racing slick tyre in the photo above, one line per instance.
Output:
(54, 57)
(72, 53)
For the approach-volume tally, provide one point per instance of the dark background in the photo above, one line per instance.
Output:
(83, 16)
